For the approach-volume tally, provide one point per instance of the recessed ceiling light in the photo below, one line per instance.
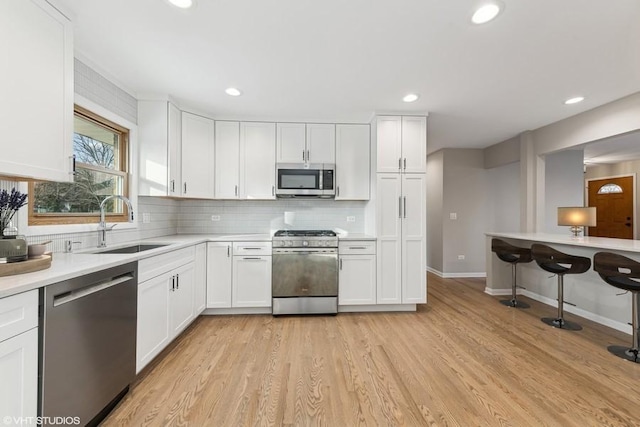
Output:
(232, 91)
(182, 4)
(574, 100)
(486, 13)
(411, 97)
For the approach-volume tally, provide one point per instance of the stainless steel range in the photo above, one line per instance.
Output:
(305, 272)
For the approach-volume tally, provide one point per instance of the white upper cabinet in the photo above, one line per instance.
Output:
(310, 143)
(36, 84)
(159, 135)
(291, 145)
(227, 165)
(352, 162)
(257, 160)
(402, 144)
(321, 143)
(198, 156)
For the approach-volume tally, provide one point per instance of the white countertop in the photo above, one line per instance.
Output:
(68, 265)
(588, 242)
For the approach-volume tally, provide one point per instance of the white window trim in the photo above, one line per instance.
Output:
(35, 230)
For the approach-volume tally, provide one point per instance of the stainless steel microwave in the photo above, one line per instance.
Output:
(305, 180)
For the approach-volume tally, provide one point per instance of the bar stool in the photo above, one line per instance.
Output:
(559, 263)
(623, 273)
(514, 255)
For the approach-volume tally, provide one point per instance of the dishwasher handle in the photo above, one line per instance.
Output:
(67, 297)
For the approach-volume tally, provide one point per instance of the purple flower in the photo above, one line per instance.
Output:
(9, 205)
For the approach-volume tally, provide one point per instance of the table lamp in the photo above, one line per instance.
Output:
(577, 217)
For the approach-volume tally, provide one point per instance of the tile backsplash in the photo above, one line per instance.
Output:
(264, 216)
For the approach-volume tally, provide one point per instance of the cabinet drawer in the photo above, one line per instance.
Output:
(251, 248)
(357, 247)
(149, 268)
(18, 313)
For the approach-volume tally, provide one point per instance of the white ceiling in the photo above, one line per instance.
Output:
(343, 60)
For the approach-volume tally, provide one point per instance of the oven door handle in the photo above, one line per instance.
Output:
(304, 252)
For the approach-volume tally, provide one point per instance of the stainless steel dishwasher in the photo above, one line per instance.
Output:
(88, 343)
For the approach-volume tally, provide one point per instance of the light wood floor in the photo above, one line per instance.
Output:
(462, 359)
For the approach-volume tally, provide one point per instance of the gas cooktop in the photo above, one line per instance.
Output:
(304, 233)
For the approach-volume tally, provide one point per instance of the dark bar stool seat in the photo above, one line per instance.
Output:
(514, 255)
(559, 263)
(623, 273)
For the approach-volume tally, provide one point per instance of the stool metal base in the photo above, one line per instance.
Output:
(624, 353)
(514, 303)
(561, 324)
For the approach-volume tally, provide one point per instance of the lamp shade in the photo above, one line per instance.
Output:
(577, 216)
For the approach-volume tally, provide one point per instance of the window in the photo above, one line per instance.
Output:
(610, 189)
(101, 150)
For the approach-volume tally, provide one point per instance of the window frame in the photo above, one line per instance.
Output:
(124, 171)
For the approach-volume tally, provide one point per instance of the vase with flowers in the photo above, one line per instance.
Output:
(10, 202)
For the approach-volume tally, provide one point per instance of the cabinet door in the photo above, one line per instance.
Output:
(257, 160)
(291, 146)
(321, 143)
(389, 211)
(414, 276)
(251, 281)
(219, 268)
(19, 373)
(174, 134)
(414, 144)
(353, 150)
(200, 289)
(181, 298)
(153, 319)
(197, 156)
(357, 280)
(227, 169)
(389, 143)
(159, 135)
(36, 112)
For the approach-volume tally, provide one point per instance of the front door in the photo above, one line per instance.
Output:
(613, 200)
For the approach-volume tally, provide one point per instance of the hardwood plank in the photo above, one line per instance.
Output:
(463, 359)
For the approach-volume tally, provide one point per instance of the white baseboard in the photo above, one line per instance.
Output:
(622, 327)
(499, 292)
(376, 308)
(456, 275)
(223, 311)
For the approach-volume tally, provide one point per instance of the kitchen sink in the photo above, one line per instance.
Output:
(130, 249)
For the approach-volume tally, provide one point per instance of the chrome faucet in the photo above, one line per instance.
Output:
(102, 225)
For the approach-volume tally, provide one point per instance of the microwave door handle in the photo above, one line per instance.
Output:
(320, 174)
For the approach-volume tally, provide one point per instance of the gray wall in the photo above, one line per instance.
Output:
(564, 186)
(465, 193)
(503, 198)
(435, 166)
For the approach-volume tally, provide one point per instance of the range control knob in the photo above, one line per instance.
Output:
(305, 243)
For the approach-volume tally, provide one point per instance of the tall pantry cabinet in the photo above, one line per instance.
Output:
(401, 209)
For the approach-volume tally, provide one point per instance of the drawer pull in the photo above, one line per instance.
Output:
(357, 247)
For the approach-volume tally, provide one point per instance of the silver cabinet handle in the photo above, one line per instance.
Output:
(405, 206)
(308, 157)
(338, 191)
(399, 163)
(236, 190)
(303, 159)
(248, 248)
(400, 207)
(185, 188)
(357, 247)
(173, 186)
(173, 283)
(252, 258)
(405, 163)
(72, 158)
(273, 190)
(228, 251)
(340, 263)
(177, 281)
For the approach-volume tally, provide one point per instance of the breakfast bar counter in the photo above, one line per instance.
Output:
(586, 295)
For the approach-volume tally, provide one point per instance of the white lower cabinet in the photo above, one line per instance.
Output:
(238, 274)
(251, 281)
(19, 355)
(165, 301)
(357, 273)
(219, 274)
(200, 284)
